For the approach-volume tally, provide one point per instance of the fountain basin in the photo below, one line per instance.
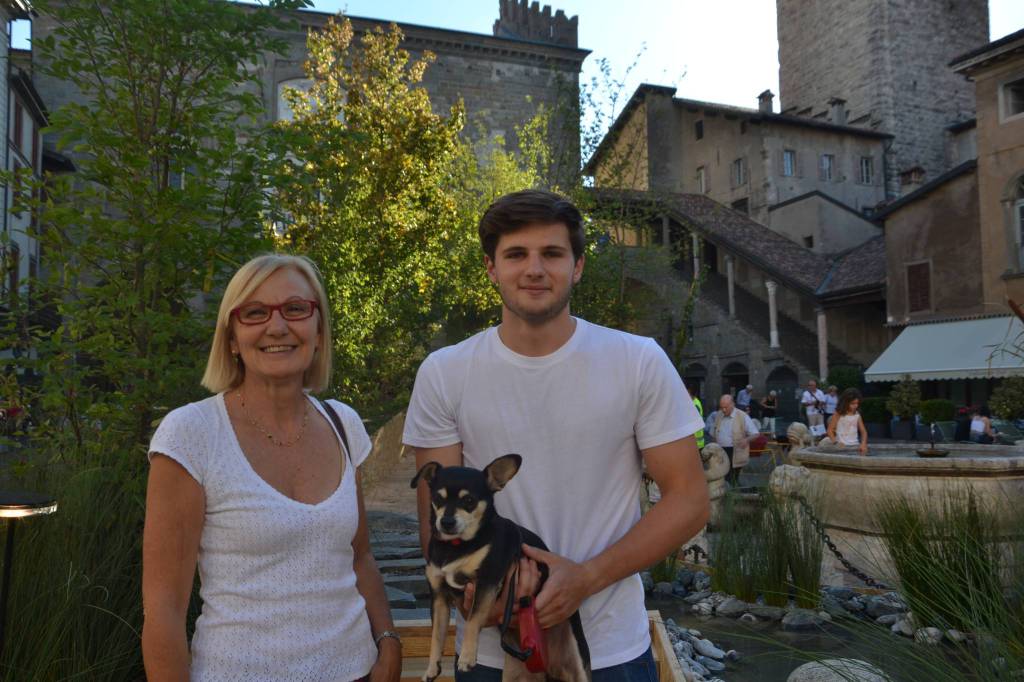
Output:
(848, 489)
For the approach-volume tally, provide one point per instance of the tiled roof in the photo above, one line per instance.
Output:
(859, 268)
(814, 275)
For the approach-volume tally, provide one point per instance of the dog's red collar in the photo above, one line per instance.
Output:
(455, 542)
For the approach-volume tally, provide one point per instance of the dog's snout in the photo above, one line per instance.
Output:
(448, 523)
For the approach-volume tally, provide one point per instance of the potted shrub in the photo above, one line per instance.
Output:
(1007, 401)
(904, 402)
(875, 416)
(933, 412)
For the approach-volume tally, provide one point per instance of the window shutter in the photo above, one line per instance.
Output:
(919, 287)
(821, 167)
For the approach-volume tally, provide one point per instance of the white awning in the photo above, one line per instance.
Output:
(965, 349)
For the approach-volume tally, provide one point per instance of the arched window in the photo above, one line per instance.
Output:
(284, 110)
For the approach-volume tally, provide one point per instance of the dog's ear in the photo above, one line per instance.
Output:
(500, 471)
(426, 472)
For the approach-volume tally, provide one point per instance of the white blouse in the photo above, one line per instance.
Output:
(277, 583)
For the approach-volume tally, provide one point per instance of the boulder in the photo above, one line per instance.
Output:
(695, 597)
(882, 605)
(802, 619)
(767, 612)
(838, 670)
(841, 593)
(732, 608)
(684, 577)
(929, 636)
(663, 589)
(705, 647)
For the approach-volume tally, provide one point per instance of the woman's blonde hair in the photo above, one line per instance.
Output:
(223, 372)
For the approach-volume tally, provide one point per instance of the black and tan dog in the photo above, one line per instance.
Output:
(471, 542)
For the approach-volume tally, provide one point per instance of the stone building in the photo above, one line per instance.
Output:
(532, 59)
(953, 246)
(884, 59)
(811, 181)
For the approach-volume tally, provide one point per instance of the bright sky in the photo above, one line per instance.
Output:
(724, 51)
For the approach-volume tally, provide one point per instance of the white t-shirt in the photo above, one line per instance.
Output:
(279, 592)
(831, 402)
(579, 417)
(809, 398)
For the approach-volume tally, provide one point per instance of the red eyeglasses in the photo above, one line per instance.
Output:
(258, 313)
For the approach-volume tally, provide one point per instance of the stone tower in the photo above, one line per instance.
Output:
(888, 60)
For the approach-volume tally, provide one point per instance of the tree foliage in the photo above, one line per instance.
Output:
(1007, 399)
(163, 127)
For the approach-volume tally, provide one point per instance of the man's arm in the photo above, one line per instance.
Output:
(680, 515)
(448, 456)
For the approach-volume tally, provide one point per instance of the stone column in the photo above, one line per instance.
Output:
(730, 270)
(773, 317)
(695, 246)
(822, 344)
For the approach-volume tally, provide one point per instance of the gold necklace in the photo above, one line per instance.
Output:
(273, 439)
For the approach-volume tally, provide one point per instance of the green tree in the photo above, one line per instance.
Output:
(1007, 399)
(166, 201)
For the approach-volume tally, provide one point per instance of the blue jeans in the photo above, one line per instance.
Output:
(640, 669)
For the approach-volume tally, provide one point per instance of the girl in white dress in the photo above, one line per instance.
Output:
(846, 428)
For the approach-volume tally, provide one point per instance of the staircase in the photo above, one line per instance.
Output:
(395, 544)
(795, 339)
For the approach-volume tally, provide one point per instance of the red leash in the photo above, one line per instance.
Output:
(531, 637)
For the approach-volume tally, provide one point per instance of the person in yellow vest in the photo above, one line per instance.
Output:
(692, 388)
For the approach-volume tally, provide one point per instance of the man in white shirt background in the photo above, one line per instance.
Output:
(732, 429)
(813, 401)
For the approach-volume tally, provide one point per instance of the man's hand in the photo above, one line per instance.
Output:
(568, 584)
(527, 583)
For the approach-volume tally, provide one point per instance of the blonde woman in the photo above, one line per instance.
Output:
(258, 486)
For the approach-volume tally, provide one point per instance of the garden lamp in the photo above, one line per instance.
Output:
(13, 507)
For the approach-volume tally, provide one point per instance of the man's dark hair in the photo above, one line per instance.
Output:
(517, 210)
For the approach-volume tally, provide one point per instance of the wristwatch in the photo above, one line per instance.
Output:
(387, 633)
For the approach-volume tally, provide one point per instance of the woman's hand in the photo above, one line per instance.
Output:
(388, 667)
(863, 448)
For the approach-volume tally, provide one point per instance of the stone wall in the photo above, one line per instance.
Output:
(502, 80)
(887, 59)
(940, 229)
(1000, 170)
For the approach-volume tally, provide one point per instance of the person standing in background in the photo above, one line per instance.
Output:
(831, 403)
(769, 404)
(743, 398)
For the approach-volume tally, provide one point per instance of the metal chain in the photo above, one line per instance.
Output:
(868, 580)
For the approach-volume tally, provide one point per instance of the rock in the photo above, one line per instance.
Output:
(732, 655)
(749, 618)
(841, 593)
(695, 597)
(956, 636)
(684, 576)
(930, 636)
(888, 619)
(903, 627)
(711, 664)
(832, 606)
(706, 648)
(853, 605)
(883, 605)
(801, 619)
(703, 608)
(767, 612)
(694, 633)
(663, 590)
(701, 581)
(678, 590)
(826, 616)
(732, 608)
(648, 581)
(838, 670)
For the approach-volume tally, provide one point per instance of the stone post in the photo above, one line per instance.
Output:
(773, 316)
(822, 344)
(730, 270)
(695, 245)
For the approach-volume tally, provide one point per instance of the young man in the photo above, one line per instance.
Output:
(586, 407)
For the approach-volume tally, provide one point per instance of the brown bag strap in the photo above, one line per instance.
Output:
(336, 420)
